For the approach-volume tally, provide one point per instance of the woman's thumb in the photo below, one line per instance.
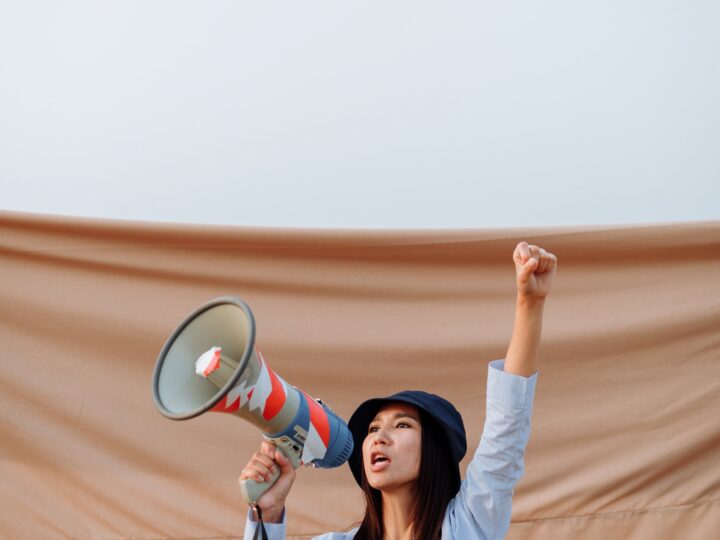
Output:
(529, 266)
(283, 461)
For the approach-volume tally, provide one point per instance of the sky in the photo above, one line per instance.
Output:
(362, 114)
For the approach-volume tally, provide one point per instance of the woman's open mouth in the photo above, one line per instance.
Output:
(378, 462)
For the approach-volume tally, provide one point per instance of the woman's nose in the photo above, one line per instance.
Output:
(380, 437)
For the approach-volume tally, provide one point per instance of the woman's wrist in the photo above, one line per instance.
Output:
(269, 515)
(530, 302)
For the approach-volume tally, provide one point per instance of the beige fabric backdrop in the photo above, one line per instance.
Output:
(626, 429)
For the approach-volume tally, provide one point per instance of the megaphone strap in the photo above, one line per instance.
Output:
(260, 532)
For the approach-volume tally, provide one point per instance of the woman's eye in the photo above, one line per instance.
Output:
(372, 429)
(403, 424)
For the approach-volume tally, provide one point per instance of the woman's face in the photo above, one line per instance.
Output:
(391, 449)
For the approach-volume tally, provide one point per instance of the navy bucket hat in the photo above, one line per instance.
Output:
(441, 410)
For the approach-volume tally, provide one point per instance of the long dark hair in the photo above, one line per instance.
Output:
(437, 483)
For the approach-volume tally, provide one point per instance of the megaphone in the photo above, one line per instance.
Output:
(210, 363)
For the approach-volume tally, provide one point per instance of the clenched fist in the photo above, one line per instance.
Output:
(535, 269)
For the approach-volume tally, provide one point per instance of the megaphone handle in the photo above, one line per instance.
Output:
(252, 490)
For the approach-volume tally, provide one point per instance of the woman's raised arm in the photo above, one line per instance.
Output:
(483, 505)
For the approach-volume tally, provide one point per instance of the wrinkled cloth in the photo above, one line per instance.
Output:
(481, 509)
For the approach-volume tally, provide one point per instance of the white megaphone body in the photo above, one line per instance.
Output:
(210, 363)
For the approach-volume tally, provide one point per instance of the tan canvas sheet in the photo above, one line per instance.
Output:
(626, 428)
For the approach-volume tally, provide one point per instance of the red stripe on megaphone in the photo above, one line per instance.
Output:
(276, 398)
(220, 405)
(319, 419)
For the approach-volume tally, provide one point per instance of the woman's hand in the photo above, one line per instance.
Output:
(535, 269)
(260, 468)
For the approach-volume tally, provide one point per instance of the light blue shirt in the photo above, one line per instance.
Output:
(481, 509)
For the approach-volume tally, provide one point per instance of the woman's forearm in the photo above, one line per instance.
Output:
(524, 351)
(535, 270)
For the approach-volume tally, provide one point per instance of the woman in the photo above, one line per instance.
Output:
(408, 446)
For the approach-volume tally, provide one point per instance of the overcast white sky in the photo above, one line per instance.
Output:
(362, 114)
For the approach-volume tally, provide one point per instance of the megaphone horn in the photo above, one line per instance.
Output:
(210, 363)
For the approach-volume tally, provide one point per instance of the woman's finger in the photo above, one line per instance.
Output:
(248, 473)
(268, 448)
(522, 253)
(283, 462)
(251, 473)
(262, 469)
(544, 259)
(552, 262)
(535, 252)
(264, 462)
(268, 461)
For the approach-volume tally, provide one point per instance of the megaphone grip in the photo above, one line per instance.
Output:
(252, 490)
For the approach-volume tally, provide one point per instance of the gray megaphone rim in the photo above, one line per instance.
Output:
(247, 354)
